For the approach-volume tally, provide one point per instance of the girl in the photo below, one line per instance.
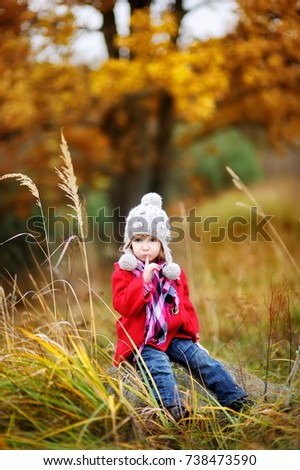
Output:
(158, 322)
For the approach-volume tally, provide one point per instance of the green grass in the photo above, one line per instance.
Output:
(57, 342)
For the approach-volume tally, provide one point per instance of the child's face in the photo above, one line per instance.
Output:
(143, 245)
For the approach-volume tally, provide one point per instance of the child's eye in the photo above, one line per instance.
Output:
(153, 239)
(137, 239)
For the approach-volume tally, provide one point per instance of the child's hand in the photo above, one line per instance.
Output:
(149, 269)
(204, 349)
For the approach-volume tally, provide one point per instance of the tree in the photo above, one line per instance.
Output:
(217, 83)
(263, 66)
(36, 96)
(148, 83)
(119, 119)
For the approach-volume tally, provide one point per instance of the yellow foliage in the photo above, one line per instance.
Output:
(15, 89)
(149, 39)
(195, 77)
(57, 29)
(117, 77)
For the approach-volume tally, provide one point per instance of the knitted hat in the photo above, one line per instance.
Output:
(148, 218)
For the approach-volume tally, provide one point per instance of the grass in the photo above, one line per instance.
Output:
(57, 389)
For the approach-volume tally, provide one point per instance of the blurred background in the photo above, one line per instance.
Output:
(152, 96)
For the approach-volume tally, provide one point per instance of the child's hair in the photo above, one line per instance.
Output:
(161, 254)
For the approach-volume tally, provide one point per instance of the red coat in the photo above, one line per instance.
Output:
(130, 302)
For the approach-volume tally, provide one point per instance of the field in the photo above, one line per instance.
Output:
(58, 336)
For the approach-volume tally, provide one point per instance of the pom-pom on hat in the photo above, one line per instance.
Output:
(148, 218)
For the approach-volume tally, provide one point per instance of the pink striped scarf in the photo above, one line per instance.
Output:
(158, 306)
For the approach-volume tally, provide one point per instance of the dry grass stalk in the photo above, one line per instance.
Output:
(24, 181)
(70, 187)
(189, 254)
(5, 319)
(242, 187)
(27, 181)
(295, 368)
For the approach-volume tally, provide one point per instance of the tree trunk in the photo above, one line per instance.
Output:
(109, 29)
(140, 130)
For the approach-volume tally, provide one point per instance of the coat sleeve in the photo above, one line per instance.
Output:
(128, 293)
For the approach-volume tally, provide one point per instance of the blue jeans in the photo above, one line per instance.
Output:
(211, 373)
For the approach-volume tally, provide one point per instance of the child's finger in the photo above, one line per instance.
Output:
(155, 266)
(147, 260)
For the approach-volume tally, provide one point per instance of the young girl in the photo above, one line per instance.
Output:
(159, 323)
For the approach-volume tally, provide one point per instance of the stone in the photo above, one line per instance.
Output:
(132, 388)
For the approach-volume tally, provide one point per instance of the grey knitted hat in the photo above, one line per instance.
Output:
(148, 218)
